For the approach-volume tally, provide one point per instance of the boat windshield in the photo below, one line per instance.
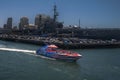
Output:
(51, 49)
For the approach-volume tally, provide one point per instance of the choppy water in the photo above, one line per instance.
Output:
(96, 64)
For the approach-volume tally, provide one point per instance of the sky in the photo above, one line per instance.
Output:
(92, 13)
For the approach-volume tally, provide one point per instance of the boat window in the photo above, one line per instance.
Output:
(53, 49)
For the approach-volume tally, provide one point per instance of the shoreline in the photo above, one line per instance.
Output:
(64, 43)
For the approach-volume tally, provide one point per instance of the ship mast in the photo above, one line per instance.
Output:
(79, 23)
(55, 13)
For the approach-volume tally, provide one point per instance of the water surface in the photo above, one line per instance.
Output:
(96, 64)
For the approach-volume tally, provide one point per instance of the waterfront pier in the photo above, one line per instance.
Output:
(65, 43)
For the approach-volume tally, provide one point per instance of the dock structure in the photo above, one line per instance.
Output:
(65, 43)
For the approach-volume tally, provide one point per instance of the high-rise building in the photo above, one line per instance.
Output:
(5, 26)
(41, 19)
(24, 23)
(9, 23)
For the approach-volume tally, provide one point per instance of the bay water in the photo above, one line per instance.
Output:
(95, 64)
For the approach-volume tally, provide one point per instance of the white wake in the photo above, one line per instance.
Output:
(25, 51)
(17, 50)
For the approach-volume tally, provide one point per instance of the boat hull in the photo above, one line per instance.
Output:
(59, 57)
(58, 54)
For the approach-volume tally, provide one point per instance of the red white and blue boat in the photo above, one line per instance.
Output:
(52, 51)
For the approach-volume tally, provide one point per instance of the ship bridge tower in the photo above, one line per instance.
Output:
(55, 13)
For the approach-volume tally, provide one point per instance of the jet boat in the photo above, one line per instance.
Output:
(52, 51)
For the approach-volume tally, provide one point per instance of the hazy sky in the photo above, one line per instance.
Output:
(92, 13)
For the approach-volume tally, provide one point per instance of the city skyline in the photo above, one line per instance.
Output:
(92, 13)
